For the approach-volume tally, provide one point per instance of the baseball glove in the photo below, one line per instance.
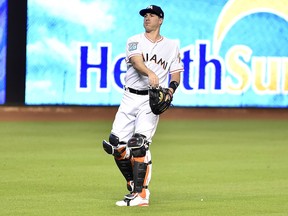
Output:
(159, 99)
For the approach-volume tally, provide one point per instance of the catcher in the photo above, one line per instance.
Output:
(152, 60)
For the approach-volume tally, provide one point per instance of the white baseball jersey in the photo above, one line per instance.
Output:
(134, 114)
(161, 57)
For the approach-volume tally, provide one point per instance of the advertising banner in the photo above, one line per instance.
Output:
(235, 52)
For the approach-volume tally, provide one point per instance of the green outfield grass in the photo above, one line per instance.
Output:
(208, 167)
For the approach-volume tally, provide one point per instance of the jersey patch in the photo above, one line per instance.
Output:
(132, 46)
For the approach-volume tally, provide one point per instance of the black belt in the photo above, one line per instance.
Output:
(138, 92)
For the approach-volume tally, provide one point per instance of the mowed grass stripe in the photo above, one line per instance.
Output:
(208, 167)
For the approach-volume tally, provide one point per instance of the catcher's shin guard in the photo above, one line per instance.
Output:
(122, 158)
(141, 162)
(139, 173)
(126, 169)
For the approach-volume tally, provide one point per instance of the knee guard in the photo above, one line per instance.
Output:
(110, 146)
(138, 145)
(116, 148)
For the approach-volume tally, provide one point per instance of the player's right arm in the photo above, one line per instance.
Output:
(135, 58)
(140, 67)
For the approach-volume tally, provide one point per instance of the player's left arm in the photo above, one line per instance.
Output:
(174, 82)
(175, 71)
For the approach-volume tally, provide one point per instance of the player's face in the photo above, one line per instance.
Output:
(152, 22)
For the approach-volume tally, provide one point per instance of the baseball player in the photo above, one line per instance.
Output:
(152, 60)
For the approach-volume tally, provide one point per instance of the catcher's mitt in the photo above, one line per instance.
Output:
(159, 99)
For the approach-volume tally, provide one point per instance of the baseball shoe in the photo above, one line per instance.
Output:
(134, 199)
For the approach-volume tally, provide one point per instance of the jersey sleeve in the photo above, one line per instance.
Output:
(133, 47)
(177, 64)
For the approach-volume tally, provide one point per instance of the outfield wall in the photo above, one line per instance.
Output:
(234, 52)
(235, 57)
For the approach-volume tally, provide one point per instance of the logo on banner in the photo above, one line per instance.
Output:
(205, 71)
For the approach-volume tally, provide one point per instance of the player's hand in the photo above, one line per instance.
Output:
(153, 80)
